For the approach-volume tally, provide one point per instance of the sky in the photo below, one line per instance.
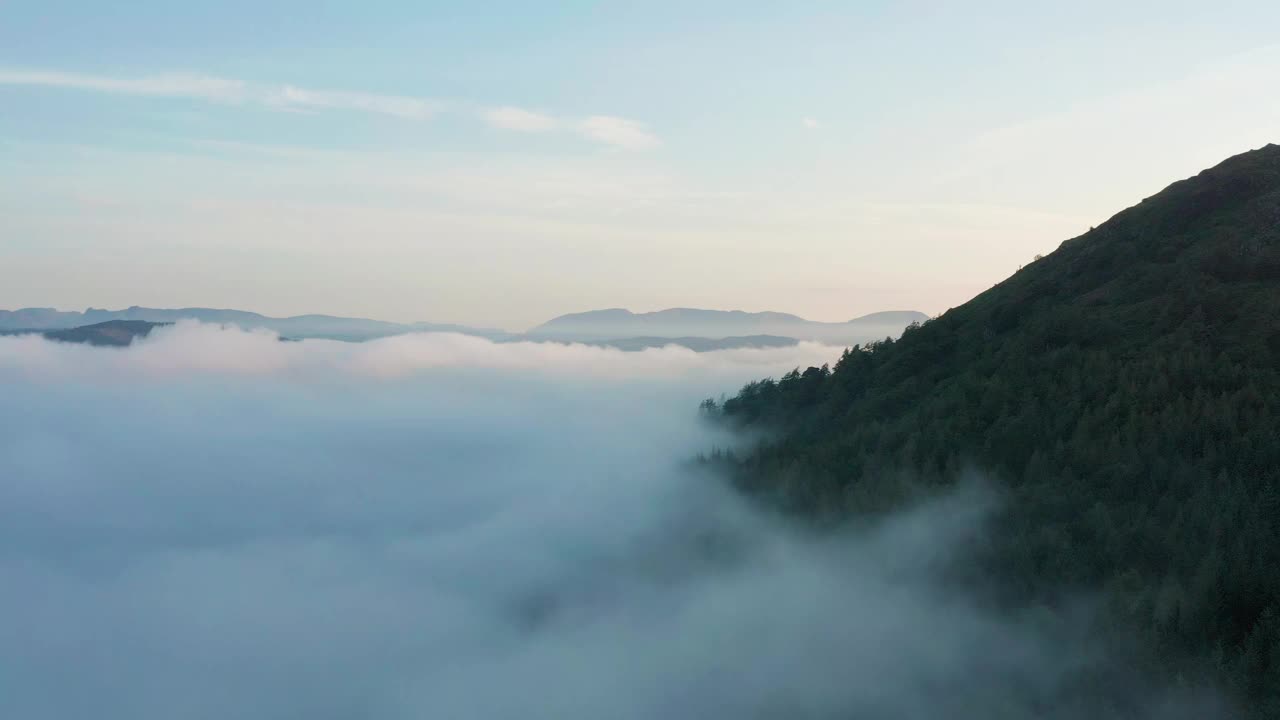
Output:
(501, 163)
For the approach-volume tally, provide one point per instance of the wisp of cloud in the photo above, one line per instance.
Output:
(216, 524)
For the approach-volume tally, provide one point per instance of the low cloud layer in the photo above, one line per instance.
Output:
(190, 346)
(217, 524)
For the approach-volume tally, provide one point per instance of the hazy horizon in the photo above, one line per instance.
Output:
(443, 321)
(501, 168)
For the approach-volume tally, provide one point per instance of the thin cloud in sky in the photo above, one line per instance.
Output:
(619, 132)
(514, 118)
(811, 124)
(178, 85)
(297, 98)
(604, 129)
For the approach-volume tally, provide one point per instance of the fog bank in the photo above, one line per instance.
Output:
(216, 524)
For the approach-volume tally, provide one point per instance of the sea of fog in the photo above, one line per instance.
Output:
(216, 524)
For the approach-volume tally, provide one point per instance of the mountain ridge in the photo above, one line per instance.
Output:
(297, 326)
(122, 333)
(683, 325)
(1121, 391)
(677, 322)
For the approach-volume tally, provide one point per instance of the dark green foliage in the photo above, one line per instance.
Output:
(112, 333)
(1125, 390)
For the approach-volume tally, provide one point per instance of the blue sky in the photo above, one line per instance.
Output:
(501, 163)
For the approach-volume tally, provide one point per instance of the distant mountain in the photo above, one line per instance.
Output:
(699, 344)
(618, 323)
(39, 319)
(701, 330)
(112, 333)
(301, 326)
(121, 333)
(891, 317)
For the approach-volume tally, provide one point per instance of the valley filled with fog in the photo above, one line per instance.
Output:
(213, 523)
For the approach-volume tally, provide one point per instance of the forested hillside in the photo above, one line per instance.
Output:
(1125, 390)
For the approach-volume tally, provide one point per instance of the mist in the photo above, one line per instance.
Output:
(213, 523)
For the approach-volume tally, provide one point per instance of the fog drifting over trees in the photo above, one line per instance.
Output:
(213, 524)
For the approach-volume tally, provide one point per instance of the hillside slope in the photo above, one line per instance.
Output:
(1125, 389)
